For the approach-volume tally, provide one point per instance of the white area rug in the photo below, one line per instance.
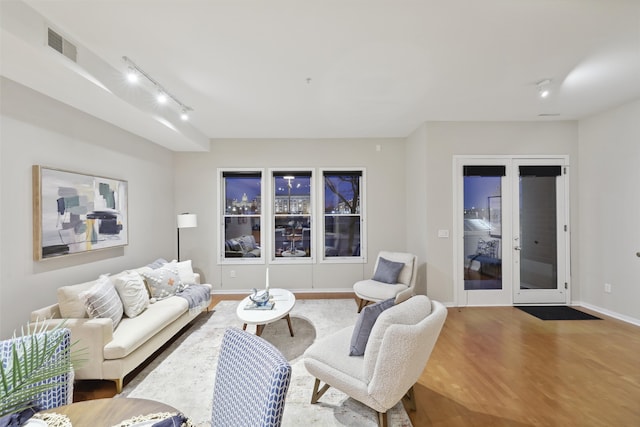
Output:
(184, 374)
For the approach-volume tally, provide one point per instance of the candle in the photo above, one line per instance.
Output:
(267, 287)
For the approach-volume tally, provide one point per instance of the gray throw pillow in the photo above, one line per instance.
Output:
(364, 325)
(102, 300)
(388, 271)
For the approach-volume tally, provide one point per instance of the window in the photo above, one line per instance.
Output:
(292, 215)
(343, 214)
(242, 216)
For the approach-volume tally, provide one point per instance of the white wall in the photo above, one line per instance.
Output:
(609, 204)
(35, 129)
(443, 140)
(197, 192)
(416, 178)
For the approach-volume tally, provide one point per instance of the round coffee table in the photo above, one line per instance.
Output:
(284, 301)
(108, 412)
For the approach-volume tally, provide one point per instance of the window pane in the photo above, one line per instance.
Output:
(292, 193)
(292, 207)
(342, 236)
(482, 232)
(242, 215)
(242, 195)
(242, 237)
(342, 220)
(342, 193)
(292, 236)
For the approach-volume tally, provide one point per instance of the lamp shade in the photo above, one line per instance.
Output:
(187, 220)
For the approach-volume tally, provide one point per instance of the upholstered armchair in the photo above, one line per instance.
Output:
(396, 353)
(252, 379)
(390, 279)
(46, 381)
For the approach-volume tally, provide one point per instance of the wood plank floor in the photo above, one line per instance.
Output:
(498, 366)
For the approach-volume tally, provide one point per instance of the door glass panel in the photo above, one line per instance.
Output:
(538, 232)
(482, 232)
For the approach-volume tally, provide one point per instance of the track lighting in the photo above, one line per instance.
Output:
(133, 76)
(544, 88)
(161, 98)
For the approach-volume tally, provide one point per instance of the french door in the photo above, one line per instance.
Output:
(512, 230)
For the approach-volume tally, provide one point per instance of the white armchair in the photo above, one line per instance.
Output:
(396, 353)
(371, 290)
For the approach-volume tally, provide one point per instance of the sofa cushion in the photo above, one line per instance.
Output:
(69, 300)
(102, 300)
(134, 332)
(133, 293)
(364, 325)
(338, 357)
(387, 271)
(185, 271)
(163, 282)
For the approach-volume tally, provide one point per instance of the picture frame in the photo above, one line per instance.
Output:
(75, 213)
(495, 216)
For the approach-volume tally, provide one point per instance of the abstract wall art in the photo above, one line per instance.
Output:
(75, 213)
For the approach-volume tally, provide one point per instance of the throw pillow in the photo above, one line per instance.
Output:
(185, 270)
(163, 282)
(364, 325)
(157, 263)
(133, 293)
(102, 300)
(388, 271)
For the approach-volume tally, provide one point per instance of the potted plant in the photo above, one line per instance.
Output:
(34, 363)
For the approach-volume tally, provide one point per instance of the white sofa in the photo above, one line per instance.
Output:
(112, 353)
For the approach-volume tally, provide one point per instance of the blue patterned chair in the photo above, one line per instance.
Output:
(61, 393)
(252, 379)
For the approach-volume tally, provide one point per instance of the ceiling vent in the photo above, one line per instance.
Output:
(59, 43)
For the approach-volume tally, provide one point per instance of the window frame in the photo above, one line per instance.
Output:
(222, 216)
(272, 216)
(320, 237)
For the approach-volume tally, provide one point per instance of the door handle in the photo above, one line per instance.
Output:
(517, 248)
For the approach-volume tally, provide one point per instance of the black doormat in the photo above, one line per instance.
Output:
(556, 312)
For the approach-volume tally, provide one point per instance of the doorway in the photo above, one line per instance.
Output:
(512, 230)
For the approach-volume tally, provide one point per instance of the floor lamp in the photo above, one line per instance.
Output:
(186, 220)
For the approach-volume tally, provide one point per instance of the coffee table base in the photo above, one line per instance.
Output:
(260, 328)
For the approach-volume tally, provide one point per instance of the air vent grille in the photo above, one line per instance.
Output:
(60, 44)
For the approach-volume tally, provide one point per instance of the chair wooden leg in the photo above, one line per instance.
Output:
(362, 304)
(410, 399)
(118, 382)
(317, 394)
(382, 419)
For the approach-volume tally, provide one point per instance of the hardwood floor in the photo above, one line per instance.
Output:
(498, 366)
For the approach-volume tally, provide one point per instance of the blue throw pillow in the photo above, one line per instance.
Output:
(364, 325)
(388, 271)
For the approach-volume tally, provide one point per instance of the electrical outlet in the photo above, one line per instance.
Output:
(607, 288)
(232, 273)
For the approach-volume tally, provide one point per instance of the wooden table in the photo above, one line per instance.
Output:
(109, 412)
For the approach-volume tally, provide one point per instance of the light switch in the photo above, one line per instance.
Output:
(443, 234)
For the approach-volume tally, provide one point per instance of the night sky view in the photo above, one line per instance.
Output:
(478, 188)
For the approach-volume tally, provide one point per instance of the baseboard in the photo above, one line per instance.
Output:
(609, 313)
(344, 292)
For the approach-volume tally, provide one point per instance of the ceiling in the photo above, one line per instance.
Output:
(328, 68)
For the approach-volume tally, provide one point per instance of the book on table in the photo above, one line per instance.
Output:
(253, 306)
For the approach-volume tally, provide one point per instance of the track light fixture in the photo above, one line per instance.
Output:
(544, 88)
(133, 74)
